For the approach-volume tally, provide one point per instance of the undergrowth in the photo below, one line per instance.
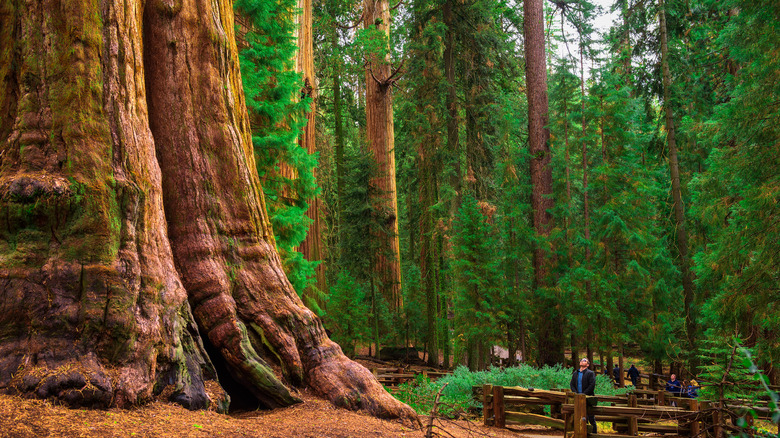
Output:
(456, 399)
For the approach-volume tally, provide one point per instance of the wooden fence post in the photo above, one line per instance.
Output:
(568, 418)
(580, 416)
(660, 398)
(718, 418)
(633, 423)
(487, 407)
(498, 406)
(695, 424)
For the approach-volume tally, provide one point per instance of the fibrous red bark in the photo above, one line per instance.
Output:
(128, 197)
(550, 335)
(380, 137)
(311, 247)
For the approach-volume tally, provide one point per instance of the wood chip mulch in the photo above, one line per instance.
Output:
(314, 417)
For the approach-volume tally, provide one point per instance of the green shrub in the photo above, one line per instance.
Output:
(457, 399)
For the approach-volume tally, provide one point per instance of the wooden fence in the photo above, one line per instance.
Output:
(639, 411)
(396, 376)
(501, 406)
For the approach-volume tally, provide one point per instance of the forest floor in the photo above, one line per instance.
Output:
(315, 417)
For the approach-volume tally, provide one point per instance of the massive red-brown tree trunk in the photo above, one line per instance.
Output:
(550, 332)
(311, 247)
(128, 197)
(380, 137)
(94, 312)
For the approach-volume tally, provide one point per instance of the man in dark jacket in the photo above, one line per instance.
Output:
(674, 386)
(583, 381)
(633, 373)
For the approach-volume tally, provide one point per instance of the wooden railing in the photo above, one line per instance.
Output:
(630, 419)
(501, 406)
(396, 376)
(630, 414)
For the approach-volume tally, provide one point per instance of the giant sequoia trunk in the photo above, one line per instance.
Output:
(550, 334)
(380, 136)
(311, 247)
(129, 197)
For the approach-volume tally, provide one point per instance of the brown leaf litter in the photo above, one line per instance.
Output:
(315, 417)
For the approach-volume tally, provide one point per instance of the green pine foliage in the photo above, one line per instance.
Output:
(474, 217)
(277, 114)
(358, 255)
(477, 304)
(348, 313)
(515, 235)
(726, 370)
(736, 200)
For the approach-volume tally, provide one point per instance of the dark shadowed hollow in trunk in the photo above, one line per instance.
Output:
(132, 223)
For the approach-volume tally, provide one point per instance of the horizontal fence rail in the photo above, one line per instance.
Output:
(655, 412)
(398, 375)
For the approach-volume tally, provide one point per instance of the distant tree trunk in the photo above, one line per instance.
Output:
(472, 354)
(128, 182)
(338, 131)
(515, 326)
(523, 351)
(453, 134)
(444, 304)
(574, 351)
(586, 197)
(567, 237)
(426, 158)
(380, 136)
(311, 247)
(622, 381)
(453, 151)
(550, 331)
(478, 155)
(589, 351)
(679, 212)
(625, 45)
(567, 216)
(658, 370)
(427, 261)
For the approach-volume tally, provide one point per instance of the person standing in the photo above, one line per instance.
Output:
(633, 374)
(616, 373)
(674, 386)
(693, 389)
(583, 381)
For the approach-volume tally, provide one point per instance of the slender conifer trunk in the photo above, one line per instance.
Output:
(679, 209)
(550, 332)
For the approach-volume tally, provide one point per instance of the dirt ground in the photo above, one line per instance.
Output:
(314, 417)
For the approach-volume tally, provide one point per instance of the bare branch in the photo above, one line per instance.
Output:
(429, 432)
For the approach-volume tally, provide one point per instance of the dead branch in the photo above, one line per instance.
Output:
(429, 432)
